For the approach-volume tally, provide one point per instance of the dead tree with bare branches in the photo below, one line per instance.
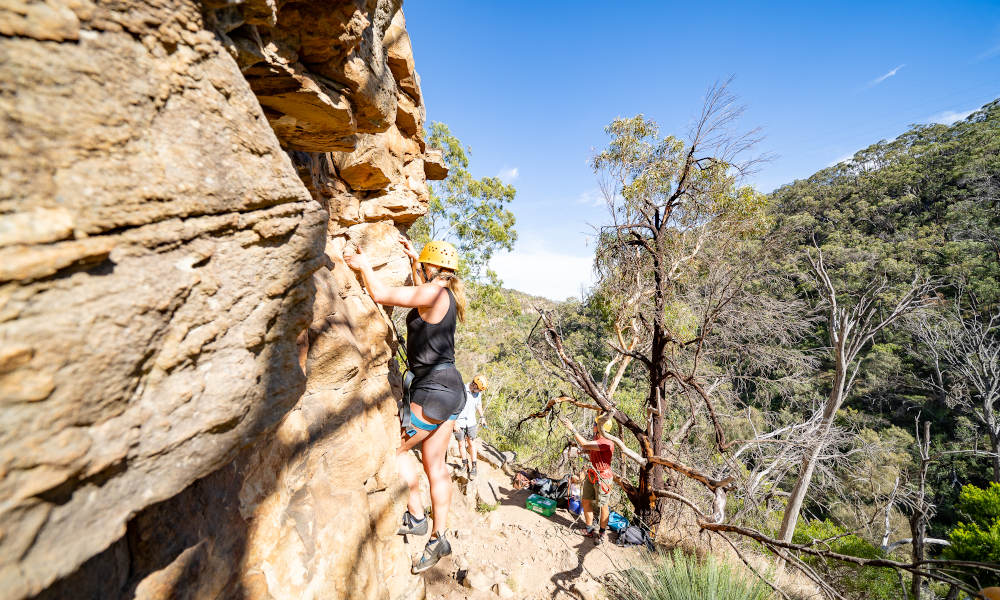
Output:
(962, 344)
(851, 328)
(683, 269)
(678, 266)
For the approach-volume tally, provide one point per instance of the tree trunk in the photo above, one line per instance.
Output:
(995, 438)
(651, 475)
(798, 495)
(918, 520)
(917, 530)
(791, 516)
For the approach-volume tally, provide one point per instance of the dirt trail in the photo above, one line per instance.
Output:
(534, 556)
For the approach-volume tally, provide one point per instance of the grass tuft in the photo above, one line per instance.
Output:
(677, 576)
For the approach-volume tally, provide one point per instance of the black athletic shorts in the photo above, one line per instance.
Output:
(440, 394)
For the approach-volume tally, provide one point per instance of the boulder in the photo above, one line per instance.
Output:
(305, 113)
(486, 491)
(434, 167)
(491, 455)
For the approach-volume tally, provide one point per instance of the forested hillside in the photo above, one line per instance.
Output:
(809, 356)
(922, 205)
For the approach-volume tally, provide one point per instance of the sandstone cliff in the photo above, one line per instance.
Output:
(195, 392)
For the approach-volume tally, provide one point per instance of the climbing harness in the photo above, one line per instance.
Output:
(597, 478)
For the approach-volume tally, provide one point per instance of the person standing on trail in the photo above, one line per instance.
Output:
(466, 426)
(598, 479)
(437, 393)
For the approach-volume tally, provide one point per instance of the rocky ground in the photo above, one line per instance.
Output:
(511, 552)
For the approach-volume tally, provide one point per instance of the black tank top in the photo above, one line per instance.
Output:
(431, 343)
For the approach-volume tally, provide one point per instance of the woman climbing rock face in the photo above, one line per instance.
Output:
(437, 393)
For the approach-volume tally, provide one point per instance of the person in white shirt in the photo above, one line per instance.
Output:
(466, 426)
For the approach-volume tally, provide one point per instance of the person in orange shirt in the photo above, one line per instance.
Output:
(598, 480)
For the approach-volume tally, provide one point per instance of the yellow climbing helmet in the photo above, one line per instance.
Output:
(481, 382)
(607, 426)
(441, 254)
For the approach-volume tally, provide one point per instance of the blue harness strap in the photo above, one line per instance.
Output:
(417, 423)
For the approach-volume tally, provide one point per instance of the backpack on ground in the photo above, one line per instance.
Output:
(616, 522)
(541, 486)
(633, 535)
(560, 489)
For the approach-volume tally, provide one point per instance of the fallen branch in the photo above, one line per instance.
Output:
(925, 568)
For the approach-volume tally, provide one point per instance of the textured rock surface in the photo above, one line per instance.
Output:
(173, 205)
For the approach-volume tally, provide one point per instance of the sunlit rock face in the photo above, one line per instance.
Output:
(197, 398)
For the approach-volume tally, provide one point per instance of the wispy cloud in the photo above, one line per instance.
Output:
(947, 117)
(994, 51)
(591, 197)
(891, 73)
(843, 158)
(508, 174)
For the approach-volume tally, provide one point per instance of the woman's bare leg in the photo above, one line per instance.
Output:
(407, 467)
(434, 451)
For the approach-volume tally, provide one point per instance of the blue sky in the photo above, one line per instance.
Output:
(529, 86)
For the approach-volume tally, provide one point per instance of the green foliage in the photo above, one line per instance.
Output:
(486, 507)
(491, 342)
(851, 580)
(467, 211)
(977, 536)
(925, 202)
(677, 576)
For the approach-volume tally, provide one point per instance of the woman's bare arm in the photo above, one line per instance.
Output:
(406, 296)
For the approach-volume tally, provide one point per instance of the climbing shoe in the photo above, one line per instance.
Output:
(465, 467)
(472, 472)
(590, 531)
(413, 526)
(598, 537)
(436, 548)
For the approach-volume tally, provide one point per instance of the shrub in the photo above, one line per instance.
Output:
(851, 580)
(977, 536)
(677, 576)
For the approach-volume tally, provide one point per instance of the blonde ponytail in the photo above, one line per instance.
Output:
(457, 287)
(455, 284)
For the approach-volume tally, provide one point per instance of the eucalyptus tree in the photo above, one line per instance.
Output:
(683, 272)
(472, 213)
(853, 323)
